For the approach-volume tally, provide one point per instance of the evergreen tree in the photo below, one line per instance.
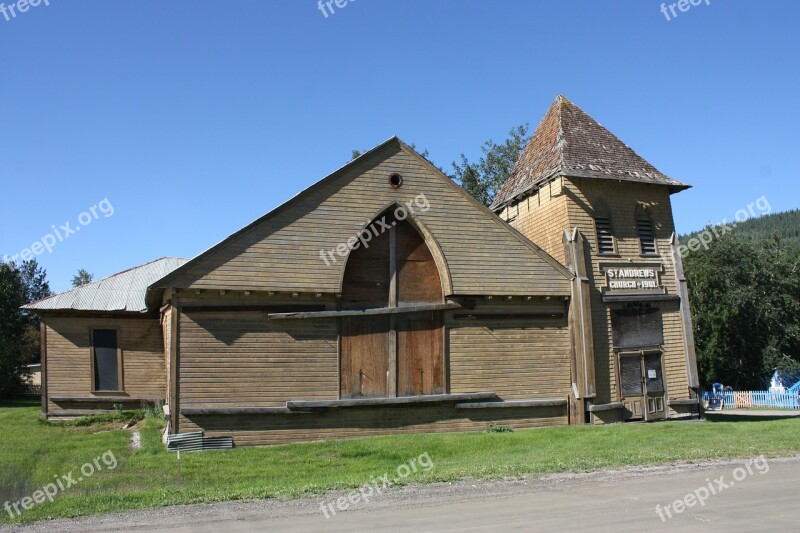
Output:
(34, 280)
(12, 327)
(82, 278)
(36, 287)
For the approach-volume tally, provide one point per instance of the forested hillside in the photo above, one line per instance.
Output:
(785, 225)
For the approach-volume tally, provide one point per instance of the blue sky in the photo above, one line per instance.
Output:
(195, 118)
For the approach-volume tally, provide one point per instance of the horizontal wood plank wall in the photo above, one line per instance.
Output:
(242, 359)
(69, 368)
(674, 360)
(517, 359)
(283, 253)
(361, 422)
(542, 218)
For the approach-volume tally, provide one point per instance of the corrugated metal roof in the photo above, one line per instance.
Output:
(124, 291)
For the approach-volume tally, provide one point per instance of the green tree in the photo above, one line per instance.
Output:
(746, 308)
(780, 285)
(36, 287)
(482, 179)
(34, 279)
(82, 278)
(12, 327)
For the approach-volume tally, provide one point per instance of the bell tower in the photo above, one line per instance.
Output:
(590, 201)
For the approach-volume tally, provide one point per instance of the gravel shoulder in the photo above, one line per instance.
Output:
(409, 496)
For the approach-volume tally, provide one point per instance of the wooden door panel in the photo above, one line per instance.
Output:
(420, 354)
(365, 357)
(632, 386)
(366, 277)
(418, 282)
(634, 407)
(417, 276)
(400, 355)
(654, 385)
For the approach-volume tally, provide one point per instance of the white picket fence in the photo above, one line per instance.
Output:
(762, 399)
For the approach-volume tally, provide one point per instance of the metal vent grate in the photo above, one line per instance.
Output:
(196, 442)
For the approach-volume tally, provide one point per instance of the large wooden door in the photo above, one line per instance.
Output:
(396, 354)
(642, 385)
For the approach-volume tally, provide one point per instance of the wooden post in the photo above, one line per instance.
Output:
(391, 378)
(686, 315)
(174, 408)
(580, 322)
(43, 349)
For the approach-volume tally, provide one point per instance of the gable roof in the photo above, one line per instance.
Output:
(309, 198)
(164, 282)
(124, 291)
(568, 142)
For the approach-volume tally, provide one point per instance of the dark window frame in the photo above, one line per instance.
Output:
(120, 383)
(623, 336)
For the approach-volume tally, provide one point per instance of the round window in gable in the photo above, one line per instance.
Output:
(396, 180)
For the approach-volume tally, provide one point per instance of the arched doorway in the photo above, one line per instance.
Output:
(397, 353)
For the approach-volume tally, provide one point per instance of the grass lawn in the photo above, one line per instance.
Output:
(33, 453)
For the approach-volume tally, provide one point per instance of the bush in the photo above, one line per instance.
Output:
(495, 428)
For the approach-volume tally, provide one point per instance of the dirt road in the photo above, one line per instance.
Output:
(736, 496)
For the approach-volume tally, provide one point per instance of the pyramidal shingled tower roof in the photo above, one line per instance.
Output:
(568, 142)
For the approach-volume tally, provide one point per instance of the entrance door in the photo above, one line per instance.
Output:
(642, 385)
(393, 354)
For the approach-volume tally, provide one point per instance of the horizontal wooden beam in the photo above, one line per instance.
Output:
(70, 414)
(360, 402)
(605, 407)
(193, 411)
(103, 399)
(507, 316)
(366, 312)
(549, 402)
(692, 401)
(640, 298)
(267, 308)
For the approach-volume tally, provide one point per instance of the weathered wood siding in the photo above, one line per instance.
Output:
(361, 422)
(542, 218)
(571, 203)
(232, 358)
(69, 367)
(517, 361)
(621, 201)
(242, 359)
(281, 252)
(675, 371)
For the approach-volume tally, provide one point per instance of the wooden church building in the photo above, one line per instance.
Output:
(385, 299)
